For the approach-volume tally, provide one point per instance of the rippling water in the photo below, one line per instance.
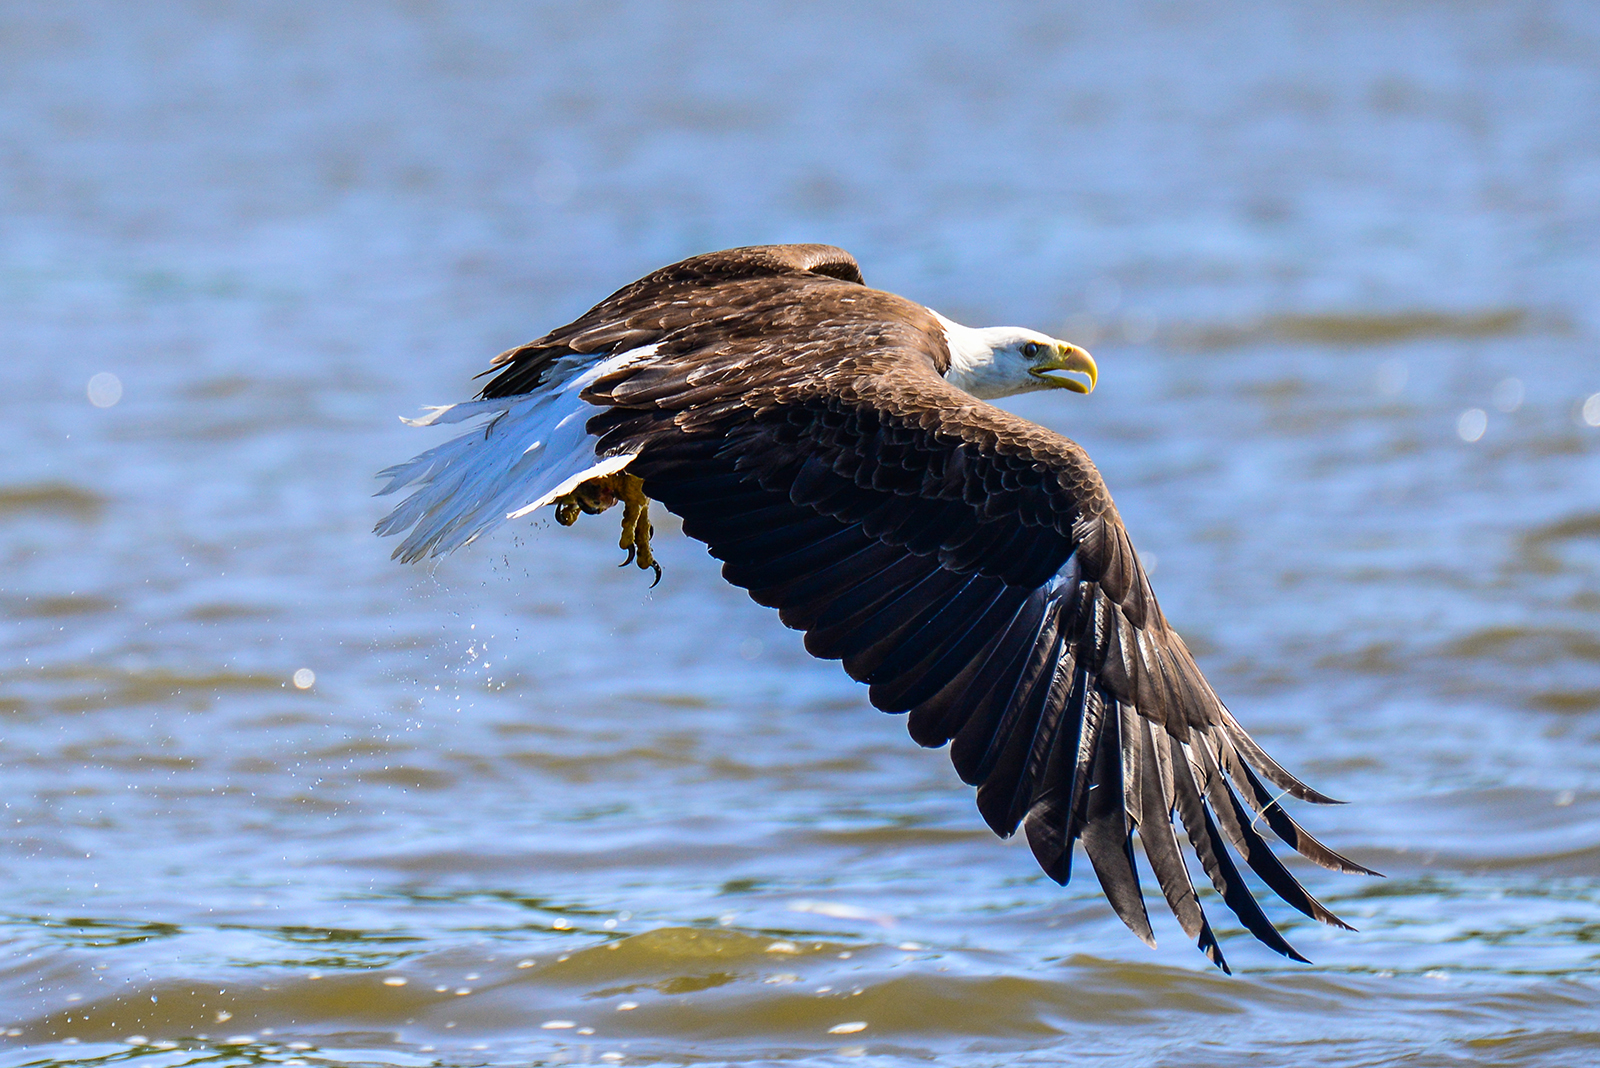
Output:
(528, 811)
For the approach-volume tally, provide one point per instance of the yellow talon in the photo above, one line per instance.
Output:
(598, 494)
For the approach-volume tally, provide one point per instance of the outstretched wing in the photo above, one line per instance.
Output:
(970, 567)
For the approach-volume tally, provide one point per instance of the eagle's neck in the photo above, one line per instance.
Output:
(973, 366)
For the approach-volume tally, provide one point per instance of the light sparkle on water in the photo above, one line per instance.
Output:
(1509, 394)
(1392, 377)
(105, 390)
(1591, 410)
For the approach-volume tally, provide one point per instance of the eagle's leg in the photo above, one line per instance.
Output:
(598, 494)
(636, 528)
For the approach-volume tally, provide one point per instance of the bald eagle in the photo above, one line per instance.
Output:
(832, 445)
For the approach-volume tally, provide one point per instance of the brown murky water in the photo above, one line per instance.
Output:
(527, 811)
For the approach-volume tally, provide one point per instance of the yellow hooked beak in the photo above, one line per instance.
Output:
(1067, 358)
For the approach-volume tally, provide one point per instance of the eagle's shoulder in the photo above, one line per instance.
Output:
(711, 288)
(756, 261)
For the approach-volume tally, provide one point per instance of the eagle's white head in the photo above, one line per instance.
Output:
(1001, 361)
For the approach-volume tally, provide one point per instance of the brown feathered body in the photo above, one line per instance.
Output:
(969, 566)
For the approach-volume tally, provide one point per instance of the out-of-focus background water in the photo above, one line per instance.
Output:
(1340, 263)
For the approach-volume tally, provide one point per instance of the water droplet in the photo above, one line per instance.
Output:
(304, 679)
(1472, 423)
(848, 1028)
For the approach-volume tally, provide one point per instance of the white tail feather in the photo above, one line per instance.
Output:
(533, 448)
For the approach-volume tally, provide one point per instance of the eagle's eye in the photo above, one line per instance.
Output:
(1030, 349)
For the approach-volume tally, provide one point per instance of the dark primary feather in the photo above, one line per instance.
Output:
(967, 565)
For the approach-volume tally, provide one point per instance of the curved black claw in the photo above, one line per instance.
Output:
(632, 550)
(657, 568)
